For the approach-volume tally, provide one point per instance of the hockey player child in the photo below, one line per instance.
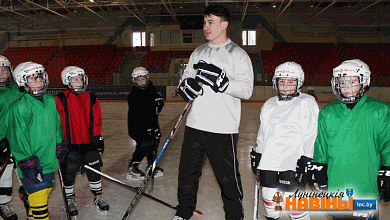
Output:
(9, 92)
(353, 140)
(33, 129)
(144, 105)
(226, 74)
(285, 141)
(81, 120)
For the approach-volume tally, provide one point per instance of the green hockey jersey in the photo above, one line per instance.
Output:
(34, 128)
(7, 96)
(354, 143)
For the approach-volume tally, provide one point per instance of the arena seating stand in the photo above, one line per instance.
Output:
(316, 59)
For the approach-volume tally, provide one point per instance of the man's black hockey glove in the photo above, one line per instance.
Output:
(31, 169)
(211, 75)
(255, 161)
(99, 140)
(318, 176)
(383, 181)
(301, 173)
(189, 89)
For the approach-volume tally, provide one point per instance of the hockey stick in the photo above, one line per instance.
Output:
(64, 193)
(128, 186)
(151, 171)
(256, 205)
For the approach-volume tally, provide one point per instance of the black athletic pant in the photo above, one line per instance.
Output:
(144, 148)
(221, 151)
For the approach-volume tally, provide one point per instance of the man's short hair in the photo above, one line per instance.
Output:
(219, 11)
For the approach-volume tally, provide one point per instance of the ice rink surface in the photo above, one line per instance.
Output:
(118, 150)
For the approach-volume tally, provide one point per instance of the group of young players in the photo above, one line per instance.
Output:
(45, 133)
(345, 145)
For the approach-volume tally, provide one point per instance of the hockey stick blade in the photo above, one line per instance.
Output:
(134, 189)
(147, 176)
(63, 193)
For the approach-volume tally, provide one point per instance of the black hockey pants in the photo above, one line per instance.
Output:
(144, 148)
(221, 151)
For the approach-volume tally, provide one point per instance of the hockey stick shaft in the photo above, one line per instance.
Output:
(147, 176)
(130, 187)
(64, 193)
(256, 202)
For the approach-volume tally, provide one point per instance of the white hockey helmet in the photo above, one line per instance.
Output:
(138, 72)
(350, 68)
(72, 71)
(5, 72)
(26, 69)
(288, 70)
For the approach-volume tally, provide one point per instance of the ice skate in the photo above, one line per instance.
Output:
(133, 173)
(157, 171)
(72, 208)
(101, 205)
(6, 213)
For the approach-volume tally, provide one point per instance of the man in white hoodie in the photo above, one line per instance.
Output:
(222, 73)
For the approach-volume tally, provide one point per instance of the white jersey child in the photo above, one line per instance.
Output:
(286, 136)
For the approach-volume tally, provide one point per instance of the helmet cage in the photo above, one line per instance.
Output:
(7, 82)
(37, 93)
(286, 97)
(336, 87)
(84, 81)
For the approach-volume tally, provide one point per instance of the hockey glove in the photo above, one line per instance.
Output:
(99, 144)
(211, 75)
(301, 173)
(62, 150)
(189, 89)
(318, 177)
(384, 183)
(159, 104)
(4, 149)
(255, 160)
(31, 169)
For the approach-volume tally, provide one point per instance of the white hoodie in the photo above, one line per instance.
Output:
(221, 112)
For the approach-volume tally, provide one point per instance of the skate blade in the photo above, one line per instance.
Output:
(103, 212)
(130, 177)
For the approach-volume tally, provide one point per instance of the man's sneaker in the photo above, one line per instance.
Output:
(72, 207)
(101, 205)
(157, 171)
(133, 173)
(178, 218)
(6, 212)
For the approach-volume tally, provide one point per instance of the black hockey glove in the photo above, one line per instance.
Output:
(4, 148)
(62, 150)
(211, 75)
(301, 173)
(384, 183)
(255, 160)
(189, 89)
(99, 140)
(31, 169)
(318, 176)
(159, 104)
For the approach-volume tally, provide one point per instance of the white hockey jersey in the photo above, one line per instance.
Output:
(221, 112)
(288, 130)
